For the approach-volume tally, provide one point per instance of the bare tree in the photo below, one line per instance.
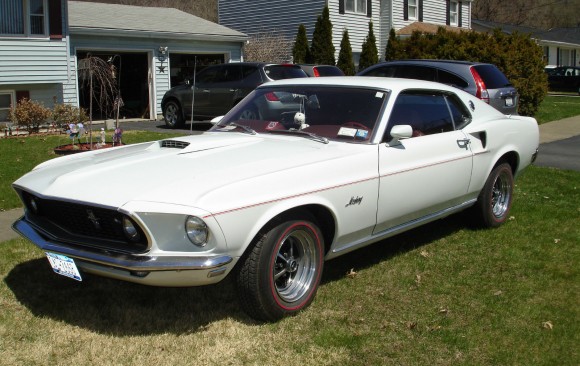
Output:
(268, 46)
(533, 13)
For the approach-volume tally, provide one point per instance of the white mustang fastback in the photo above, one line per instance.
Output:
(299, 172)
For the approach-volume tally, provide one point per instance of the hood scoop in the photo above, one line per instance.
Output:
(174, 144)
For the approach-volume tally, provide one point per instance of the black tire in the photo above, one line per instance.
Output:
(495, 200)
(173, 115)
(281, 273)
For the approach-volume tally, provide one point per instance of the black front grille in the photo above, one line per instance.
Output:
(83, 224)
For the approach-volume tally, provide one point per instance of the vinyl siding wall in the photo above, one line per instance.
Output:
(357, 25)
(434, 11)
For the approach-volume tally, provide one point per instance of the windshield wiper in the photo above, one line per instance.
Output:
(243, 127)
(310, 135)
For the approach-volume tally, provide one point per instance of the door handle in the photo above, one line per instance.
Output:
(464, 143)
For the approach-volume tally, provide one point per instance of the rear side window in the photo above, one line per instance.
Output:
(278, 72)
(384, 71)
(328, 71)
(459, 113)
(451, 79)
(492, 77)
(415, 72)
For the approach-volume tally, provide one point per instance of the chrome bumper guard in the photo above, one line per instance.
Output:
(121, 261)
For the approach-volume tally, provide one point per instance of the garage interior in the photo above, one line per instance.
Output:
(130, 71)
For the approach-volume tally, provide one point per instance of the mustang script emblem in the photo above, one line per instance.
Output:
(354, 201)
(94, 219)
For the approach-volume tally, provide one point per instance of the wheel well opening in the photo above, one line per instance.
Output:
(511, 158)
(321, 215)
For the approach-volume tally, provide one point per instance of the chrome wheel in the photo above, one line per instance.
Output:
(280, 273)
(501, 194)
(294, 266)
(495, 199)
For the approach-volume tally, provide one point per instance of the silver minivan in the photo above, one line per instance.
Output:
(483, 80)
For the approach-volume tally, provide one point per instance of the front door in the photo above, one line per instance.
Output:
(429, 172)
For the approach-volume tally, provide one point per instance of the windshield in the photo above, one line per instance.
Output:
(316, 112)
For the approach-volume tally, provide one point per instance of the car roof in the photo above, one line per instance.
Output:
(394, 84)
(434, 62)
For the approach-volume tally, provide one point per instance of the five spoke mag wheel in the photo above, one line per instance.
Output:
(281, 273)
(495, 200)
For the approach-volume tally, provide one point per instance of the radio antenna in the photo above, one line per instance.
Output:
(193, 92)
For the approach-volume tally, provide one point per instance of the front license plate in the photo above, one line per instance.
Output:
(64, 265)
(509, 102)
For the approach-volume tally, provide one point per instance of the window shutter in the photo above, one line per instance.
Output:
(459, 15)
(405, 9)
(369, 8)
(55, 19)
(22, 94)
(420, 10)
(447, 9)
(341, 6)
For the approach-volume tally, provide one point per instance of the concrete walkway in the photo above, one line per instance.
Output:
(549, 132)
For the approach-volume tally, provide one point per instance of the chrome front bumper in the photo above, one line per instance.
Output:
(149, 270)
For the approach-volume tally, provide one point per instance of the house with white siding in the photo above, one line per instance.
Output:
(284, 17)
(33, 51)
(561, 45)
(43, 42)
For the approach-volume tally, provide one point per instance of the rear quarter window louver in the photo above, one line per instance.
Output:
(174, 144)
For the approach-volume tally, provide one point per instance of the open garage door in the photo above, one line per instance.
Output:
(130, 72)
(182, 65)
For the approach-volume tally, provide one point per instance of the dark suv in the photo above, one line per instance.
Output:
(218, 88)
(485, 81)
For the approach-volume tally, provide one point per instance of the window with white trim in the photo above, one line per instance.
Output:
(453, 13)
(356, 6)
(6, 101)
(24, 18)
(413, 10)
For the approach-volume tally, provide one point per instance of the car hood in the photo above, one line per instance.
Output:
(192, 170)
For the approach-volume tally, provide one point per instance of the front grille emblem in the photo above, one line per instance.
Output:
(94, 219)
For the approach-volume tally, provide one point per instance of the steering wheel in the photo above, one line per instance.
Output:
(355, 124)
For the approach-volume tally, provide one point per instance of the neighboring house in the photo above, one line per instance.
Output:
(285, 17)
(561, 45)
(149, 49)
(33, 52)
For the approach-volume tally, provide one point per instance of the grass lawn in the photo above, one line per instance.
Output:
(445, 294)
(554, 108)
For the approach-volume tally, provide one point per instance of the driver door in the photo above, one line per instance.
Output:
(429, 172)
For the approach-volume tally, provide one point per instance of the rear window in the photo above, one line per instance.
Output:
(492, 77)
(278, 72)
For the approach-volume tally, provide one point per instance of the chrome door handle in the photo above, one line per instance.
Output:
(464, 144)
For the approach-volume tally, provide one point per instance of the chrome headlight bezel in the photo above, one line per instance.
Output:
(131, 230)
(196, 231)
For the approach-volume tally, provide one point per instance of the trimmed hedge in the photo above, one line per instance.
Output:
(516, 55)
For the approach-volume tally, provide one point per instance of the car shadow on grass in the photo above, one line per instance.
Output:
(120, 308)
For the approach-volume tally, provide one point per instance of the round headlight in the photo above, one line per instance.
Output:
(197, 231)
(130, 230)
